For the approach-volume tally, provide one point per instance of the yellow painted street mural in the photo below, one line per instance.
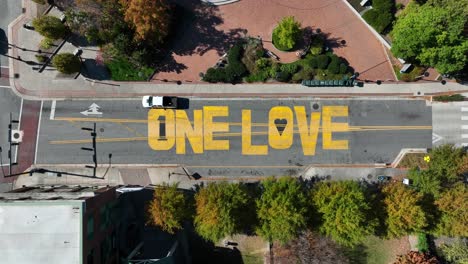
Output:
(169, 129)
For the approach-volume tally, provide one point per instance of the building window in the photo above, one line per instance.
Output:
(90, 227)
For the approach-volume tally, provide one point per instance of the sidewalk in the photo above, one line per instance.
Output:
(30, 84)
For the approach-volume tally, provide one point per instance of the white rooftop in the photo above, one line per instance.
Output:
(40, 232)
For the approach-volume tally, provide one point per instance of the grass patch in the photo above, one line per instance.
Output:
(123, 70)
(376, 251)
(449, 98)
(411, 160)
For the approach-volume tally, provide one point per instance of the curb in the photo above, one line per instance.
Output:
(405, 151)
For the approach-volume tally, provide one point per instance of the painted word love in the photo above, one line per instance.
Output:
(167, 127)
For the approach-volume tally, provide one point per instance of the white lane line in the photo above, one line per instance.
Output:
(5, 67)
(464, 135)
(3, 86)
(19, 128)
(464, 118)
(464, 109)
(52, 110)
(38, 131)
(464, 127)
(464, 144)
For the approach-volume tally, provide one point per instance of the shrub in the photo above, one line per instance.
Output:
(381, 15)
(235, 68)
(262, 63)
(41, 58)
(423, 245)
(286, 34)
(316, 47)
(253, 52)
(290, 68)
(46, 43)
(334, 67)
(122, 69)
(258, 77)
(449, 98)
(275, 68)
(50, 27)
(303, 74)
(66, 63)
(399, 6)
(213, 75)
(283, 76)
(343, 68)
(313, 62)
(323, 61)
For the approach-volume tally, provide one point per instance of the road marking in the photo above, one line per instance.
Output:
(52, 110)
(124, 120)
(5, 67)
(464, 109)
(2, 86)
(93, 109)
(132, 130)
(464, 127)
(38, 132)
(464, 135)
(233, 134)
(435, 138)
(464, 144)
(464, 118)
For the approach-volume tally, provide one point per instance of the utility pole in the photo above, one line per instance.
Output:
(11, 143)
(93, 135)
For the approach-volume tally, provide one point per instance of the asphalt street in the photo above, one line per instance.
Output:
(376, 131)
(9, 10)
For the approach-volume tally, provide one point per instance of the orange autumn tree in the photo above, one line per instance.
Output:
(150, 18)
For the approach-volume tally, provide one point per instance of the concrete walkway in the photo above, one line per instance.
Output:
(28, 83)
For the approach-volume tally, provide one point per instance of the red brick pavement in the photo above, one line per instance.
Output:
(201, 44)
(26, 150)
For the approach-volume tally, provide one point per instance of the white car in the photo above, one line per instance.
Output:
(150, 101)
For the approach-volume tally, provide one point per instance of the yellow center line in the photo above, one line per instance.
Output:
(237, 134)
(123, 120)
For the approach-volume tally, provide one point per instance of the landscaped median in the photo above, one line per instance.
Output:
(248, 61)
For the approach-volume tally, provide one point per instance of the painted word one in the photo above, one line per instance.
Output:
(167, 127)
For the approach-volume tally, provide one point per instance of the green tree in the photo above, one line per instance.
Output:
(220, 210)
(443, 171)
(286, 34)
(453, 206)
(50, 27)
(282, 209)
(169, 208)
(345, 211)
(432, 35)
(66, 63)
(405, 214)
(456, 252)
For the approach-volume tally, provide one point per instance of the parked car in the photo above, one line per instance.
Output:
(383, 178)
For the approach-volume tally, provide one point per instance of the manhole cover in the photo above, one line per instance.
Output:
(101, 129)
(16, 135)
(315, 106)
